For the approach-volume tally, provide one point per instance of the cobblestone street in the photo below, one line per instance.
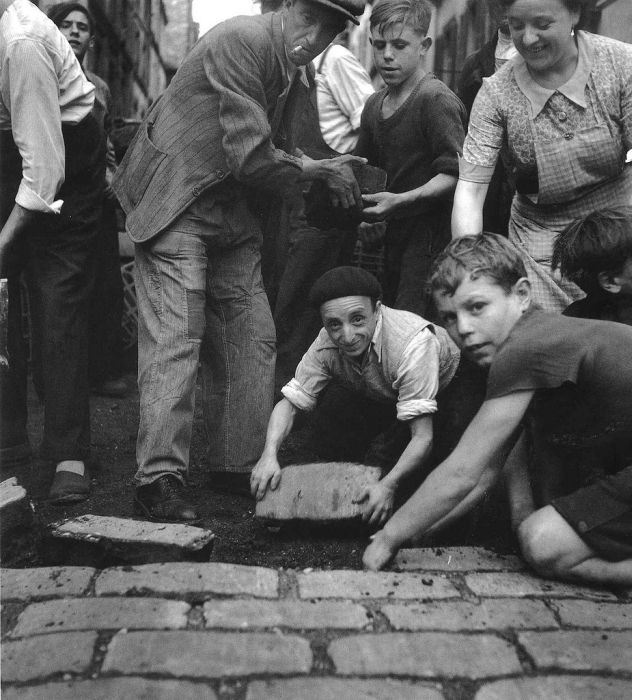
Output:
(454, 623)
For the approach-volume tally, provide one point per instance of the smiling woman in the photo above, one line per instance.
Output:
(563, 110)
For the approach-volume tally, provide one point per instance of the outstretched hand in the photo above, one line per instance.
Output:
(340, 179)
(379, 503)
(380, 206)
(266, 473)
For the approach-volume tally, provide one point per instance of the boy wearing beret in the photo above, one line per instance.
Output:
(388, 358)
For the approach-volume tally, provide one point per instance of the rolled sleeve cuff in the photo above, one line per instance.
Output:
(407, 410)
(470, 172)
(354, 120)
(298, 397)
(30, 200)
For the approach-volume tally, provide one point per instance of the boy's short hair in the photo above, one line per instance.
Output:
(58, 13)
(412, 13)
(599, 242)
(469, 257)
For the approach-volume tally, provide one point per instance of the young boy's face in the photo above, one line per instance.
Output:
(350, 323)
(398, 53)
(480, 315)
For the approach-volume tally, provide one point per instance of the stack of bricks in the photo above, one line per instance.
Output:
(451, 623)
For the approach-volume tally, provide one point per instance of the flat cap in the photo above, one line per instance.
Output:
(349, 8)
(345, 281)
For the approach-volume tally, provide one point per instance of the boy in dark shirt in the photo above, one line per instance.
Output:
(596, 253)
(414, 129)
(574, 379)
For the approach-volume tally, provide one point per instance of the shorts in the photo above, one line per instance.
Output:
(601, 514)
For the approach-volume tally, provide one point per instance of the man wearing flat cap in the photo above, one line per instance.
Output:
(222, 133)
(393, 362)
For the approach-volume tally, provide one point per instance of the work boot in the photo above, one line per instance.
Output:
(164, 500)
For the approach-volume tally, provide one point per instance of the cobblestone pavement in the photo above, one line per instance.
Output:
(459, 623)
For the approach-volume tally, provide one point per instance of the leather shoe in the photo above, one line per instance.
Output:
(164, 499)
(68, 487)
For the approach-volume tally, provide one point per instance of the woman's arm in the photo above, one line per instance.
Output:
(467, 210)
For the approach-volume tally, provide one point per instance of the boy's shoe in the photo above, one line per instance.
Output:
(68, 487)
(164, 499)
(114, 388)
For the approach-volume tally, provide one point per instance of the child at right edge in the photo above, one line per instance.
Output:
(572, 377)
(596, 253)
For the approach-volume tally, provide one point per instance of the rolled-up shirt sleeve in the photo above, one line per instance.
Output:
(484, 139)
(30, 91)
(417, 380)
(310, 378)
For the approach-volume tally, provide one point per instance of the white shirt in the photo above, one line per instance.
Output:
(342, 88)
(41, 86)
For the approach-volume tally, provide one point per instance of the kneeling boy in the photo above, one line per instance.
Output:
(573, 377)
(387, 356)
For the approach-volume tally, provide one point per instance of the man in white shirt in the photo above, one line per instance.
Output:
(51, 182)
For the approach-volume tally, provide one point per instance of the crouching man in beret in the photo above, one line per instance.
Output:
(393, 362)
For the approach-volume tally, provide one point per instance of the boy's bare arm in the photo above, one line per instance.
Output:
(454, 479)
(384, 205)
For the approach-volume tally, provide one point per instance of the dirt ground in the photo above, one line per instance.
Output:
(240, 537)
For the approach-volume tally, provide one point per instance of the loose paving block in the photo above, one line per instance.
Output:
(455, 559)
(580, 650)
(15, 510)
(207, 654)
(320, 491)
(186, 579)
(132, 541)
(519, 585)
(42, 656)
(244, 614)
(563, 687)
(460, 615)
(374, 584)
(584, 613)
(337, 689)
(101, 614)
(58, 581)
(113, 689)
(424, 655)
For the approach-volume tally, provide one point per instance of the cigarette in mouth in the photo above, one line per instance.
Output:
(297, 48)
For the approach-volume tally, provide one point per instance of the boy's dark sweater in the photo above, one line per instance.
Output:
(602, 306)
(418, 141)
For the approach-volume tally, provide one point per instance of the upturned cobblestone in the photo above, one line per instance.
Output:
(517, 585)
(207, 654)
(460, 615)
(580, 650)
(338, 689)
(46, 655)
(186, 579)
(58, 581)
(101, 614)
(563, 687)
(369, 584)
(424, 655)
(114, 689)
(248, 614)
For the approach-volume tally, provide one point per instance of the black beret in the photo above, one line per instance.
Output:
(346, 281)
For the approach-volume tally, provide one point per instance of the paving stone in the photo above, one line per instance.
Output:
(518, 585)
(58, 581)
(207, 654)
(15, 511)
(133, 541)
(580, 650)
(374, 584)
(584, 613)
(337, 689)
(45, 655)
(184, 579)
(319, 491)
(243, 614)
(563, 687)
(455, 559)
(429, 654)
(101, 614)
(113, 689)
(460, 615)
